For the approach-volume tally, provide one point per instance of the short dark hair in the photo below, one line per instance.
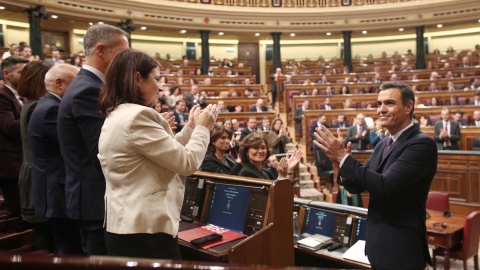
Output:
(215, 134)
(459, 112)
(406, 92)
(252, 140)
(120, 84)
(320, 116)
(179, 101)
(252, 117)
(10, 62)
(31, 84)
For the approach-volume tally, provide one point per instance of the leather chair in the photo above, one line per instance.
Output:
(476, 143)
(438, 201)
(469, 246)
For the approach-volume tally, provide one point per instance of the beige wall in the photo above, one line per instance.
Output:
(175, 49)
(15, 34)
(220, 51)
(364, 48)
(466, 41)
(311, 51)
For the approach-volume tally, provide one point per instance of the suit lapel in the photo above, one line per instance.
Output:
(405, 135)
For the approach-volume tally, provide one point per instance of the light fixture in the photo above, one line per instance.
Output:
(329, 34)
(364, 32)
(143, 28)
(221, 33)
(183, 31)
(54, 17)
(257, 34)
(2, 7)
(401, 29)
(439, 25)
(478, 20)
(292, 34)
(90, 23)
(100, 22)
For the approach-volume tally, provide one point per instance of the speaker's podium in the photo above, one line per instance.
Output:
(259, 209)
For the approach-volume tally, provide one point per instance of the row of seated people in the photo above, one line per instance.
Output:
(378, 76)
(326, 104)
(396, 58)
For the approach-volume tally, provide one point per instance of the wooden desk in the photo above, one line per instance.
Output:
(445, 237)
(334, 256)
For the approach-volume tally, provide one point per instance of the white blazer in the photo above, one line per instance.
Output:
(145, 166)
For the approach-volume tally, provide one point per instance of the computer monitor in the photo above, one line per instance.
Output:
(328, 223)
(360, 231)
(229, 205)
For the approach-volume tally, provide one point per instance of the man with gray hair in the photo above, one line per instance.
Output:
(48, 169)
(79, 126)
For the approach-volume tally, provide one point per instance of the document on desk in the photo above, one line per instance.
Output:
(313, 242)
(227, 235)
(357, 253)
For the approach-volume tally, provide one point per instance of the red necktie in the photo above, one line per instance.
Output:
(447, 142)
(387, 147)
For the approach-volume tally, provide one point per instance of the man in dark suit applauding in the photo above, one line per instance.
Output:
(48, 169)
(447, 131)
(327, 105)
(397, 176)
(180, 117)
(79, 127)
(359, 134)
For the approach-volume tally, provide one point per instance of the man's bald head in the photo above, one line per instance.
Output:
(59, 77)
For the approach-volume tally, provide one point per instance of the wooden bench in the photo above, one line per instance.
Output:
(246, 102)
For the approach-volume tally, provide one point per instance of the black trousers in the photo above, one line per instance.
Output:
(92, 235)
(11, 194)
(143, 245)
(67, 236)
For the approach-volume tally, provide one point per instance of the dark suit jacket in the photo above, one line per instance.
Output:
(191, 100)
(245, 132)
(48, 169)
(79, 127)
(249, 170)
(358, 143)
(254, 109)
(177, 119)
(323, 107)
(398, 187)
(454, 135)
(10, 139)
(337, 125)
(297, 116)
(212, 164)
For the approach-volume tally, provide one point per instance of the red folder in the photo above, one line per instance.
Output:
(227, 235)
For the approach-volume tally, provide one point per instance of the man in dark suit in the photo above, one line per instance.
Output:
(476, 119)
(79, 127)
(447, 132)
(397, 176)
(48, 169)
(458, 116)
(476, 99)
(359, 134)
(251, 127)
(298, 115)
(265, 126)
(273, 88)
(341, 121)
(10, 139)
(194, 97)
(180, 116)
(327, 105)
(259, 106)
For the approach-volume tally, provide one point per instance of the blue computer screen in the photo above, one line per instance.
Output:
(361, 233)
(320, 222)
(229, 207)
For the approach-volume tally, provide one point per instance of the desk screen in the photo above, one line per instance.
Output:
(229, 206)
(326, 223)
(361, 231)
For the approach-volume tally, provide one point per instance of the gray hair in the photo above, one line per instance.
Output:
(62, 71)
(101, 33)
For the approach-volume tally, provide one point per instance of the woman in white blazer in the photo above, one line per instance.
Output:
(143, 161)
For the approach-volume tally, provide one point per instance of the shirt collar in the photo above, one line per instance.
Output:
(398, 134)
(15, 93)
(95, 71)
(59, 97)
